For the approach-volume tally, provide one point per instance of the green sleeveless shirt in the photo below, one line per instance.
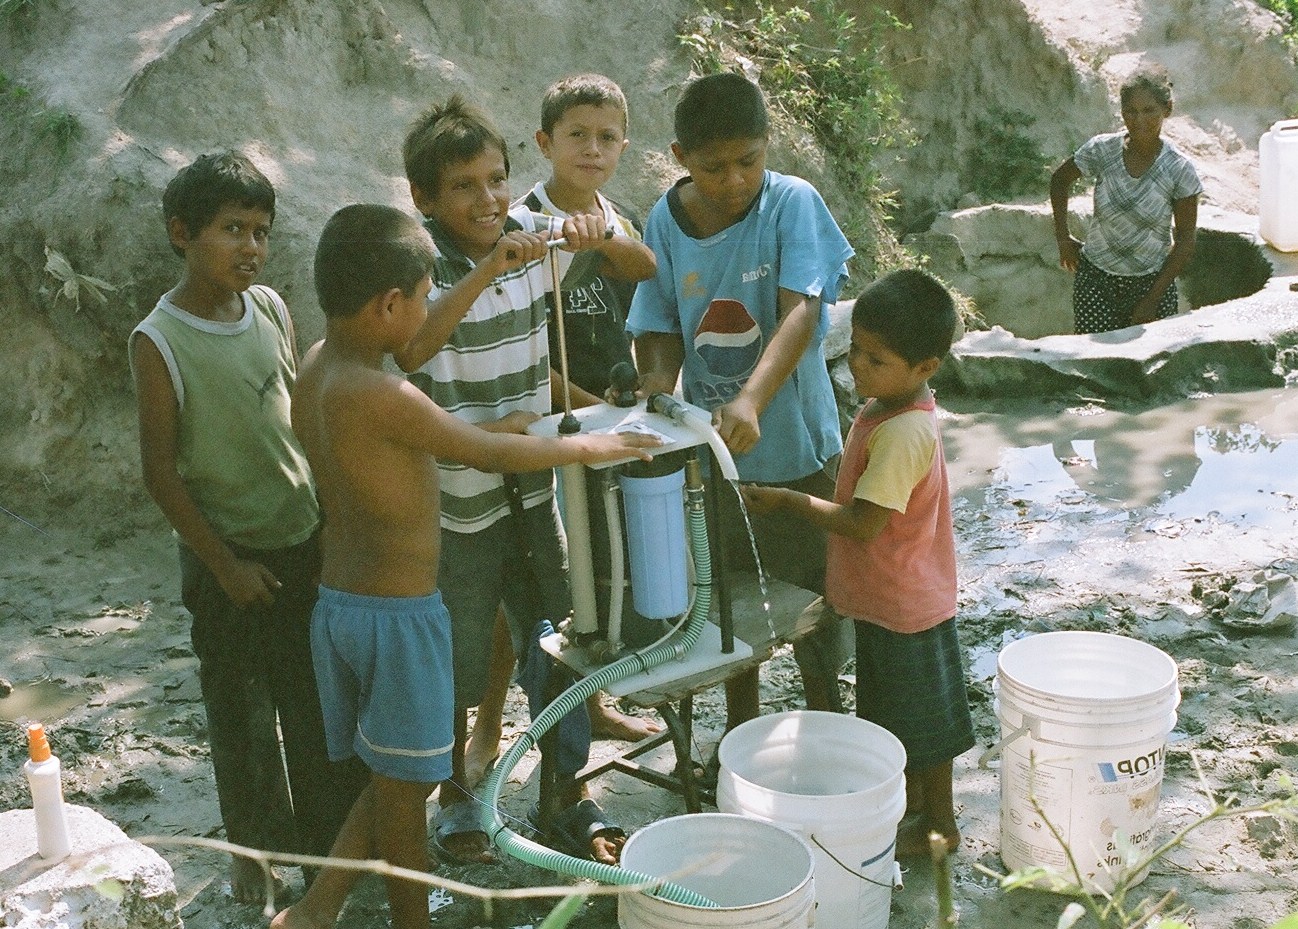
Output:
(236, 451)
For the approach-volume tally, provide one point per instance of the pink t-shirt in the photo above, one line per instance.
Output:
(904, 579)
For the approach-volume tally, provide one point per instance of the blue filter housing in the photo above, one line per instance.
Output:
(655, 536)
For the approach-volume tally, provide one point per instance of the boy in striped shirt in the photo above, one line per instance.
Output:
(483, 356)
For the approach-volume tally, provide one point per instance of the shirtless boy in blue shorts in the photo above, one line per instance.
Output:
(380, 634)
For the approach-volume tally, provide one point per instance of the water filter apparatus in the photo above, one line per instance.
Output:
(655, 531)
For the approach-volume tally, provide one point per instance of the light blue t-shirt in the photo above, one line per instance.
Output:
(721, 293)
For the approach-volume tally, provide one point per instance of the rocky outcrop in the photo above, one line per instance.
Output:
(1005, 259)
(964, 66)
(108, 881)
(1051, 71)
(1241, 345)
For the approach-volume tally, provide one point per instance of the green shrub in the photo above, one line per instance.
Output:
(10, 8)
(1288, 11)
(1004, 160)
(822, 70)
(60, 127)
(12, 92)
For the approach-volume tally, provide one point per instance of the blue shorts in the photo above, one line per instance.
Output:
(383, 669)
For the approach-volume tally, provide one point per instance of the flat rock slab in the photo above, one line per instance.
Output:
(108, 882)
(1245, 344)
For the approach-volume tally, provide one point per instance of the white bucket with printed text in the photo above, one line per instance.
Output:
(1084, 719)
(758, 874)
(840, 783)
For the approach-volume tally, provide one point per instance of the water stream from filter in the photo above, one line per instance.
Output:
(757, 559)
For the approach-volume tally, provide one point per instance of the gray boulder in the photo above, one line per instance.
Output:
(108, 882)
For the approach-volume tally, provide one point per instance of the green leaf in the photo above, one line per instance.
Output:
(563, 914)
(1038, 878)
(1289, 922)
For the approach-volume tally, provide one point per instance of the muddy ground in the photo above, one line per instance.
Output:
(95, 642)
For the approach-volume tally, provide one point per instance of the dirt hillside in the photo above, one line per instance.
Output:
(102, 100)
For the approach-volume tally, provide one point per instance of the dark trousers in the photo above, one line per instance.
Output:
(256, 675)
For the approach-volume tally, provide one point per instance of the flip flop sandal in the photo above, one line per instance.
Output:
(458, 819)
(573, 829)
(486, 772)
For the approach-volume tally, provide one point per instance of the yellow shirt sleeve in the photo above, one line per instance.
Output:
(901, 452)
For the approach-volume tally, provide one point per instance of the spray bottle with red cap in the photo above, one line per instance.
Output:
(44, 774)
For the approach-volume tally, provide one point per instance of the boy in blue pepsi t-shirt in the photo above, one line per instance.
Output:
(748, 262)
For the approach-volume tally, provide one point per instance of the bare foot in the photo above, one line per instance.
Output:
(607, 850)
(913, 838)
(248, 881)
(480, 755)
(292, 918)
(608, 722)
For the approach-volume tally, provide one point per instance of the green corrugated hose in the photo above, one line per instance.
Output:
(533, 853)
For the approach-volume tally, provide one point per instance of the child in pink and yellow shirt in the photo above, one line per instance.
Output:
(891, 557)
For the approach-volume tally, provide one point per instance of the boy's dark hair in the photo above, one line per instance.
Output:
(911, 312)
(1153, 79)
(367, 249)
(719, 108)
(580, 90)
(199, 190)
(454, 131)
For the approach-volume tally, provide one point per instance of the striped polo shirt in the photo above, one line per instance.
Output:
(496, 362)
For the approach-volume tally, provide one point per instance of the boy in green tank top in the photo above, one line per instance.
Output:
(213, 365)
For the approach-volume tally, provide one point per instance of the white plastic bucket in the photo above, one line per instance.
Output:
(1084, 721)
(837, 781)
(655, 535)
(1278, 185)
(759, 874)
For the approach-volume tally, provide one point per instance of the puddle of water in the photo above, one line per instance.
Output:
(1245, 476)
(35, 701)
(1037, 474)
(110, 621)
(981, 660)
(1230, 457)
